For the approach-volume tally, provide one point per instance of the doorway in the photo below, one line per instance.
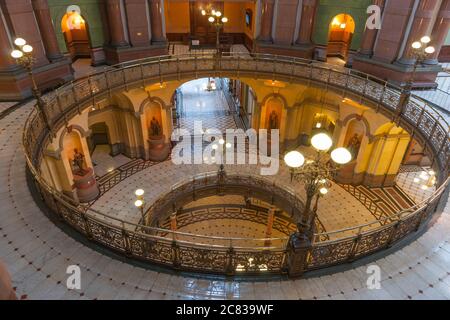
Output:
(76, 35)
(341, 30)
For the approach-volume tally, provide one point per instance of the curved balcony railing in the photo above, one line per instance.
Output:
(414, 114)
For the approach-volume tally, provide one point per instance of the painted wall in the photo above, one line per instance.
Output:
(90, 11)
(328, 9)
(177, 16)
(235, 12)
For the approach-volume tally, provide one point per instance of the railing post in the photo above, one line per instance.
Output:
(229, 269)
(298, 251)
(86, 226)
(175, 255)
(126, 241)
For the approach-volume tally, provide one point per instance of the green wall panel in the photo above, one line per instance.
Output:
(328, 9)
(90, 10)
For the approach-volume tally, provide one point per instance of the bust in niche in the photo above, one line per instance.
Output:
(155, 130)
(78, 167)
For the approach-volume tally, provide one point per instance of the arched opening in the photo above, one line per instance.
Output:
(99, 137)
(76, 35)
(322, 123)
(341, 30)
(353, 137)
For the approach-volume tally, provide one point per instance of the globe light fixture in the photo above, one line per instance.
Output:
(294, 159)
(24, 57)
(321, 142)
(316, 175)
(211, 19)
(27, 48)
(341, 156)
(17, 54)
(20, 42)
(139, 192)
(425, 39)
(416, 45)
(430, 50)
(218, 20)
(139, 203)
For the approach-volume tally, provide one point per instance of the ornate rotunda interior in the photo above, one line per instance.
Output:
(265, 149)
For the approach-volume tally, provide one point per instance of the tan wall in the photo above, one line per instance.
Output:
(177, 16)
(235, 12)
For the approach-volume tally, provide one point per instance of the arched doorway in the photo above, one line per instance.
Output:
(341, 30)
(76, 36)
(99, 137)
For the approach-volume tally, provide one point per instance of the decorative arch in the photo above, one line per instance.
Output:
(83, 134)
(357, 117)
(151, 99)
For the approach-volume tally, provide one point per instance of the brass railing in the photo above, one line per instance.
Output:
(416, 115)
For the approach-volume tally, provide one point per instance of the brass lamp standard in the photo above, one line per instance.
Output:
(316, 174)
(420, 52)
(23, 54)
(218, 21)
(140, 202)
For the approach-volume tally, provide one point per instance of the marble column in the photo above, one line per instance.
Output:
(6, 62)
(307, 22)
(44, 20)
(370, 35)
(156, 20)
(440, 31)
(419, 28)
(116, 24)
(266, 20)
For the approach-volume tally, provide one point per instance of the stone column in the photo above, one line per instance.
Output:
(156, 21)
(307, 22)
(116, 24)
(6, 62)
(370, 35)
(266, 20)
(440, 31)
(420, 27)
(44, 20)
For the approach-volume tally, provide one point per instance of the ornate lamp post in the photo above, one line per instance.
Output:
(23, 54)
(140, 202)
(316, 174)
(216, 19)
(420, 52)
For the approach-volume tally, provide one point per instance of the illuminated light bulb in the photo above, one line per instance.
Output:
(294, 159)
(224, 19)
(343, 25)
(203, 12)
(321, 142)
(213, 12)
(139, 192)
(228, 145)
(218, 14)
(214, 146)
(20, 42)
(16, 54)
(424, 187)
(211, 19)
(221, 141)
(416, 45)
(425, 39)
(138, 203)
(323, 191)
(430, 50)
(318, 125)
(27, 48)
(341, 156)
